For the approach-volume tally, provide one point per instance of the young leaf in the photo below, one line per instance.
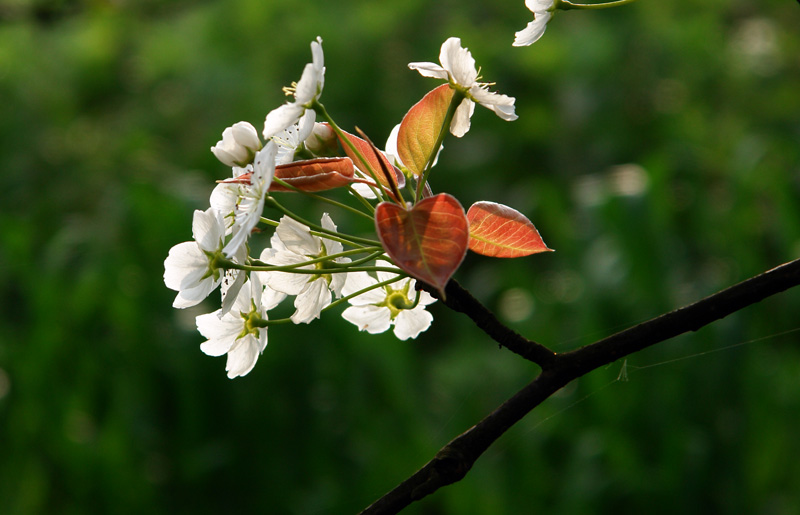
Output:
(315, 174)
(372, 160)
(500, 231)
(420, 128)
(428, 241)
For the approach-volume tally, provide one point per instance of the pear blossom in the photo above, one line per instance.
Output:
(458, 68)
(250, 205)
(238, 145)
(377, 310)
(292, 138)
(189, 267)
(308, 89)
(542, 12)
(241, 332)
(291, 244)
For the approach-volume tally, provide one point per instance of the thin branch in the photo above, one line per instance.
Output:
(461, 300)
(454, 460)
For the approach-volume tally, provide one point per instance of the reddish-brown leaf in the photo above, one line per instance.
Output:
(312, 175)
(500, 231)
(420, 128)
(372, 160)
(428, 241)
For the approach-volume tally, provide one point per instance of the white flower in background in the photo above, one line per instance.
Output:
(239, 333)
(238, 145)
(308, 89)
(542, 12)
(322, 140)
(293, 243)
(291, 138)
(458, 68)
(189, 266)
(250, 204)
(377, 310)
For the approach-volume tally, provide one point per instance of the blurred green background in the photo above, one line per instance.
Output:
(657, 150)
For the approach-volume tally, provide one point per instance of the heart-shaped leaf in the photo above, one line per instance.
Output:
(428, 241)
(372, 160)
(500, 231)
(420, 128)
(314, 174)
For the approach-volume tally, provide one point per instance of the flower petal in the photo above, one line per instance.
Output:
(244, 353)
(373, 319)
(410, 322)
(460, 124)
(459, 62)
(535, 29)
(430, 70)
(311, 301)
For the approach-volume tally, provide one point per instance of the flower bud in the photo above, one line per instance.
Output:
(238, 145)
(322, 140)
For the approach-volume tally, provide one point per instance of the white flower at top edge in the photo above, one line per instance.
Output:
(542, 13)
(237, 333)
(308, 89)
(238, 145)
(458, 68)
(378, 309)
(188, 268)
(250, 204)
(293, 243)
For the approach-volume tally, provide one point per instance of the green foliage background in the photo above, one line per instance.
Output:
(656, 150)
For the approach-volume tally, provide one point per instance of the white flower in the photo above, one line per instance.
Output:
(458, 68)
(378, 309)
(289, 139)
(322, 140)
(293, 243)
(240, 333)
(250, 204)
(542, 12)
(238, 145)
(308, 89)
(188, 267)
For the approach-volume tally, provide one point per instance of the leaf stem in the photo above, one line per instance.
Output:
(458, 97)
(323, 199)
(320, 109)
(353, 241)
(566, 5)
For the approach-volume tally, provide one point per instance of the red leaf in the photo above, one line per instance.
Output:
(420, 128)
(428, 241)
(315, 174)
(500, 231)
(372, 160)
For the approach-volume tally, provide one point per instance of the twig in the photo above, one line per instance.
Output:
(454, 460)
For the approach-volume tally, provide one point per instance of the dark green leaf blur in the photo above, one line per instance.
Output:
(657, 151)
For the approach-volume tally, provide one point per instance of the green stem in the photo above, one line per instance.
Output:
(320, 109)
(458, 97)
(309, 271)
(566, 5)
(374, 252)
(361, 199)
(323, 199)
(353, 241)
(365, 290)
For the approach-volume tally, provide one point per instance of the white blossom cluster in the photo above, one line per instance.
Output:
(218, 256)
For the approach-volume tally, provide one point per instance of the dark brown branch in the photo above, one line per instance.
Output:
(455, 459)
(461, 300)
